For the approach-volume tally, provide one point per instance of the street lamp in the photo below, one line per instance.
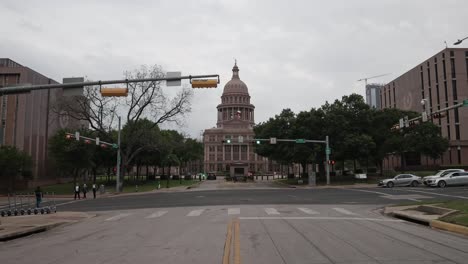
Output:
(459, 41)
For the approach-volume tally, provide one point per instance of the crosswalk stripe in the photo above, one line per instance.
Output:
(117, 217)
(233, 211)
(343, 211)
(157, 214)
(196, 212)
(308, 211)
(271, 211)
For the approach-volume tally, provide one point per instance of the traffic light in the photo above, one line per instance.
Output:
(331, 162)
(106, 92)
(227, 141)
(258, 142)
(204, 83)
(68, 136)
(87, 141)
(439, 115)
(103, 146)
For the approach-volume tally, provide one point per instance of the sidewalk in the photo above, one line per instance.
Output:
(20, 226)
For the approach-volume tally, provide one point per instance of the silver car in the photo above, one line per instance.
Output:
(440, 173)
(401, 180)
(454, 178)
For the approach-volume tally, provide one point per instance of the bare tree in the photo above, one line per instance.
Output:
(145, 100)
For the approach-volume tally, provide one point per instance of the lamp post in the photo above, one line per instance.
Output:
(117, 187)
(459, 41)
(426, 106)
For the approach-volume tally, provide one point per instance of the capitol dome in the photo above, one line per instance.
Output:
(235, 85)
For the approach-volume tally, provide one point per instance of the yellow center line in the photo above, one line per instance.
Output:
(227, 244)
(237, 259)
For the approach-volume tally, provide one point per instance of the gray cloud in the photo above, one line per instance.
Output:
(291, 54)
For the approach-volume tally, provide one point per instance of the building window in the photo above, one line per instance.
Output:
(466, 61)
(454, 90)
(457, 131)
(457, 120)
(422, 83)
(444, 70)
(452, 53)
(443, 55)
(446, 92)
(212, 138)
(211, 148)
(394, 96)
(227, 152)
(428, 75)
(436, 74)
(448, 131)
(438, 94)
(452, 67)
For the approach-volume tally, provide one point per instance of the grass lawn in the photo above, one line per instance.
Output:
(460, 218)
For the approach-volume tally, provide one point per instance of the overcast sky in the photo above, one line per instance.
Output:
(291, 54)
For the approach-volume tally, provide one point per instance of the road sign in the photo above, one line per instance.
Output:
(272, 140)
(402, 124)
(424, 116)
(77, 136)
(174, 75)
(97, 141)
(465, 102)
(300, 140)
(115, 146)
(328, 151)
(406, 120)
(241, 139)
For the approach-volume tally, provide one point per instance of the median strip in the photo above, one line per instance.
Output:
(232, 240)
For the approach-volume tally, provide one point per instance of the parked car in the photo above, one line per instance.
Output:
(401, 180)
(450, 179)
(439, 174)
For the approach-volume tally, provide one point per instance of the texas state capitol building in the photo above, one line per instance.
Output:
(235, 119)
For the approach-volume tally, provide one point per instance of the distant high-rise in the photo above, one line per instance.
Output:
(373, 95)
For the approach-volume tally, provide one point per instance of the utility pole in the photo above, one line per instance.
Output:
(117, 187)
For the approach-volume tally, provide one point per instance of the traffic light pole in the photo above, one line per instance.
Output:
(29, 88)
(117, 187)
(302, 141)
(327, 154)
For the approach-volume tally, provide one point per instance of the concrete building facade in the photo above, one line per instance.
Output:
(235, 121)
(27, 120)
(443, 81)
(373, 94)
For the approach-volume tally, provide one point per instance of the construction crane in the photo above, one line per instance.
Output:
(368, 78)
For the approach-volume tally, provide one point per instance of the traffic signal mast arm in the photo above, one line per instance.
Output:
(28, 88)
(93, 139)
(464, 103)
(289, 140)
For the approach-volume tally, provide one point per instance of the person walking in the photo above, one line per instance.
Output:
(85, 190)
(39, 196)
(94, 190)
(77, 192)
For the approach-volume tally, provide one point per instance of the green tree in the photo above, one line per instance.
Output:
(13, 162)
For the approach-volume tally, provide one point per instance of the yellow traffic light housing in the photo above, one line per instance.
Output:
(114, 92)
(204, 83)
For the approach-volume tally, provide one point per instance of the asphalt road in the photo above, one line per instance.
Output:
(329, 225)
(382, 196)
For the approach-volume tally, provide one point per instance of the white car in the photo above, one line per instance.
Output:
(440, 173)
(401, 180)
(454, 178)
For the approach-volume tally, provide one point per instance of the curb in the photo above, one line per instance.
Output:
(29, 231)
(449, 227)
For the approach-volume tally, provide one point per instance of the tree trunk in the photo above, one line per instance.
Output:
(94, 174)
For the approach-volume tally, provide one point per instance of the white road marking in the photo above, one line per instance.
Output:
(196, 212)
(308, 211)
(117, 217)
(233, 211)
(410, 197)
(317, 218)
(343, 211)
(271, 211)
(157, 214)
(440, 194)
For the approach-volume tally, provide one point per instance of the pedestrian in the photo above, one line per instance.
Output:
(39, 195)
(85, 190)
(94, 190)
(77, 192)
